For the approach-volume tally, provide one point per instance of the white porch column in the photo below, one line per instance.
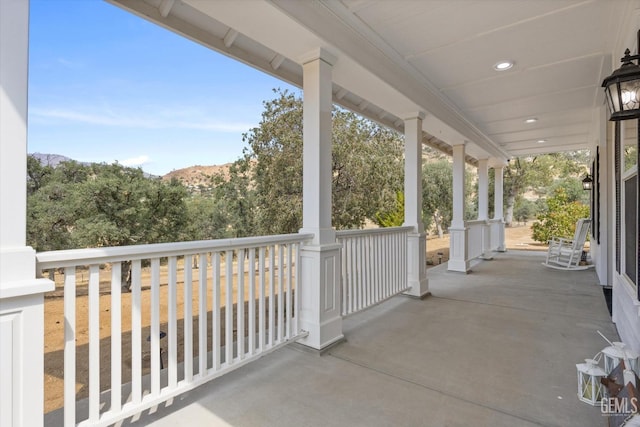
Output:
(416, 241)
(458, 249)
(21, 294)
(483, 206)
(320, 260)
(498, 205)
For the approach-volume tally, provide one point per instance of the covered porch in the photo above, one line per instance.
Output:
(497, 347)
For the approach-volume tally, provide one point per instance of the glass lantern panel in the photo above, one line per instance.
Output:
(630, 146)
(630, 94)
(613, 98)
(610, 363)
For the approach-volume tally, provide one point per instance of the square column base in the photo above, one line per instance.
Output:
(487, 253)
(21, 338)
(458, 250)
(497, 238)
(416, 266)
(320, 313)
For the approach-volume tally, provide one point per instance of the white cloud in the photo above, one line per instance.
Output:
(160, 120)
(135, 161)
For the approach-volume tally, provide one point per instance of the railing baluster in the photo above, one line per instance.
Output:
(356, 273)
(155, 326)
(116, 337)
(136, 332)
(366, 272)
(215, 314)
(94, 342)
(391, 247)
(375, 270)
(188, 319)
(261, 302)
(70, 346)
(252, 301)
(280, 294)
(202, 313)
(228, 309)
(272, 279)
(172, 327)
(296, 286)
(289, 280)
(240, 305)
(355, 276)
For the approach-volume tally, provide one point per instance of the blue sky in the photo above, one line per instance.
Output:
(105, 86)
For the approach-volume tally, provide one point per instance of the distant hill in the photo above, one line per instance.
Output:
(198, 177)
(52, 160)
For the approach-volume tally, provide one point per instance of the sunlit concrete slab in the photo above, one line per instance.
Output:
(496, 347)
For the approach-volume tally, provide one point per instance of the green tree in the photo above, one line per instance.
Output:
(120, 206)
(234, 208)
(366, 162)
(437, 194)
(524, 210)
(572, 186)
(560, 218)
(536, 173)
(394, 217)
(206, 219)
(98, 205)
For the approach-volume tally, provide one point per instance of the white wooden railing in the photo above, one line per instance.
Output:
(240, 301)
(475, 238)
(374, 266)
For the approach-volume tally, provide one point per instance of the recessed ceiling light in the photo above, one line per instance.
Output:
(531, 120)
(541, 141)
(503, 65)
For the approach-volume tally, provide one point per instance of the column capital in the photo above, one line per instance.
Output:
(496, 163)
(414, 115)
(318, 53)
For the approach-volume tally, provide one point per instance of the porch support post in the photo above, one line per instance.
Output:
(21, 294)
(498, 206)
(458, 245)
(320, 260)
(483, 206)
(416, 240)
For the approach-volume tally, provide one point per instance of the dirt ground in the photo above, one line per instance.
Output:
(518, 237)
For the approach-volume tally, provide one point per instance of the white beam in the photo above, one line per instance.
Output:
(165, 7)
(277, 61)
(230, 37)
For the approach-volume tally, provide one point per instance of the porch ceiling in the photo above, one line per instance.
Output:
(396, 58)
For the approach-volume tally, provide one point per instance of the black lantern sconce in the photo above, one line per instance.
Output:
(587, 182)
(622, 88)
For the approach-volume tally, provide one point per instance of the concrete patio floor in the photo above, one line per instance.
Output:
(496, 347)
